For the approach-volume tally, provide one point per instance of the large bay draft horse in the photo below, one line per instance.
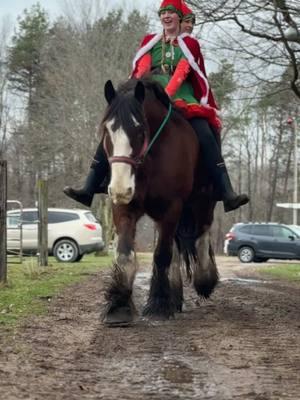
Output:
(155, 178)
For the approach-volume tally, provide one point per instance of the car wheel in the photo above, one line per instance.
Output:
(66, 250)
(79, 257)
(246, 254)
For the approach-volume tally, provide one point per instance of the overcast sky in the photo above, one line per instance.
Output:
(14, 8)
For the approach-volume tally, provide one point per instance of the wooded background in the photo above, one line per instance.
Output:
(52, 74)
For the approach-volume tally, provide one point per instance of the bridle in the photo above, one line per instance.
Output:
(139, 159)
(133, 161)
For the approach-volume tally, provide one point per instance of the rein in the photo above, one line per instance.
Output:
(140, 158)
(166, 119)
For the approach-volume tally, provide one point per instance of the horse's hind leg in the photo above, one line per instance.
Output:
(205, 274)
(176, 280)
(119, 308)
(160, 302)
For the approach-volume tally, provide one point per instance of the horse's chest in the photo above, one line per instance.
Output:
(156, 207)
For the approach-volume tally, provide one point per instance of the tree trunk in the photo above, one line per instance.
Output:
(274, 181)
(105, 212)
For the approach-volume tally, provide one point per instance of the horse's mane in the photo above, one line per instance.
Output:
(150, 85)
(124, 105)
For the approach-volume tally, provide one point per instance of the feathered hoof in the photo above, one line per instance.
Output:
(205, 288)
(122, 316)
(159, 310)
(178, 308)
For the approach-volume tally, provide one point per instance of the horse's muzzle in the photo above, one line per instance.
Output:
(120, 197)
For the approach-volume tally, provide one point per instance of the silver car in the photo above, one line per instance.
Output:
(71, 232)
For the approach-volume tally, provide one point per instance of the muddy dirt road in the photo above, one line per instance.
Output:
(244, 343)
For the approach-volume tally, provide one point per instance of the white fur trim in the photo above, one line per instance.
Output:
(186, 51)
(143, 50)
(185, 34)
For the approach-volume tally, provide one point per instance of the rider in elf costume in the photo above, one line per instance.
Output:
(188, 20)
(177, 58)
(186, 27)
(177, 64)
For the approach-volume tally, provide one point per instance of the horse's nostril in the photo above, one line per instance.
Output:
(129, 191)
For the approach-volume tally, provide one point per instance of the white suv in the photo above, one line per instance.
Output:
(71, 232)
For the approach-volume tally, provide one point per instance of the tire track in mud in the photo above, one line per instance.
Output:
(244, 343)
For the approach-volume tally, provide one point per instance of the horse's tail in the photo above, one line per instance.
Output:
(185, 238)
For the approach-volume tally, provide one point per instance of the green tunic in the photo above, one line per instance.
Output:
(185, 92)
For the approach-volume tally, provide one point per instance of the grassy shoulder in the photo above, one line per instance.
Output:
(29, 286)
(288, 272)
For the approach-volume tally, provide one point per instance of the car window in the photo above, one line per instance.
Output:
(281, 231)
(13, 220)
(29, 217)
(55, 217)
(236, 227)
(246, 229)
(90, 217)
(262, 230)
(296, 229)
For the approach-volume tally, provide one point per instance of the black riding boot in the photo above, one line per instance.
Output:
(215, 164)
(96, 180)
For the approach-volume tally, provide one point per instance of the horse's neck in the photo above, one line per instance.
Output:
(155, 114)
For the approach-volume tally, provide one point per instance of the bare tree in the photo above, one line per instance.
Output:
(4, 101)
(262, 37)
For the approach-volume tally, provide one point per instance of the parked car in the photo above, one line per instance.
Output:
(260, 241)
(71, 232)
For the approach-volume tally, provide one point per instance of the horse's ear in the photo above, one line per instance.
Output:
(109, 91)
(139, 92)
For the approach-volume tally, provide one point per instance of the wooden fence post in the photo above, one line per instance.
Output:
(43, 222)
(106, 222)
(3, 209)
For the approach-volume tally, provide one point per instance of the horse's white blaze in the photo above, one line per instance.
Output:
(122, 183)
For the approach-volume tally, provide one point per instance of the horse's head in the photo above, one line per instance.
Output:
(125, 138)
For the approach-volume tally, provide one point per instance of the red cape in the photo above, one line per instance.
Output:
(199, 81)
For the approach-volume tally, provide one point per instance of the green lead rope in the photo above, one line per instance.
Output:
(166, 119)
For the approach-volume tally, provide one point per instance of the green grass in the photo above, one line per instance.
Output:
(290, 272)
(29, 286)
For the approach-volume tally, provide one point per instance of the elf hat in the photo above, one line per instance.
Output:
(171, 5)
(187, 13)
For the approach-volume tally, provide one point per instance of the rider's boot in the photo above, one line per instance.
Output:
(214, 162)
(96, 180)
(231, 200)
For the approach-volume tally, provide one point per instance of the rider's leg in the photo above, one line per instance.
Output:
(215, 163)
(99, 170)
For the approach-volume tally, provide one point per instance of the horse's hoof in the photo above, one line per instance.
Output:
(122, 316)
(158, 313)
(178, 308)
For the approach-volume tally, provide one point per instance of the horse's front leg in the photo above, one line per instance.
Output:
(119, 308)
(160, 302)
(205, 274)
